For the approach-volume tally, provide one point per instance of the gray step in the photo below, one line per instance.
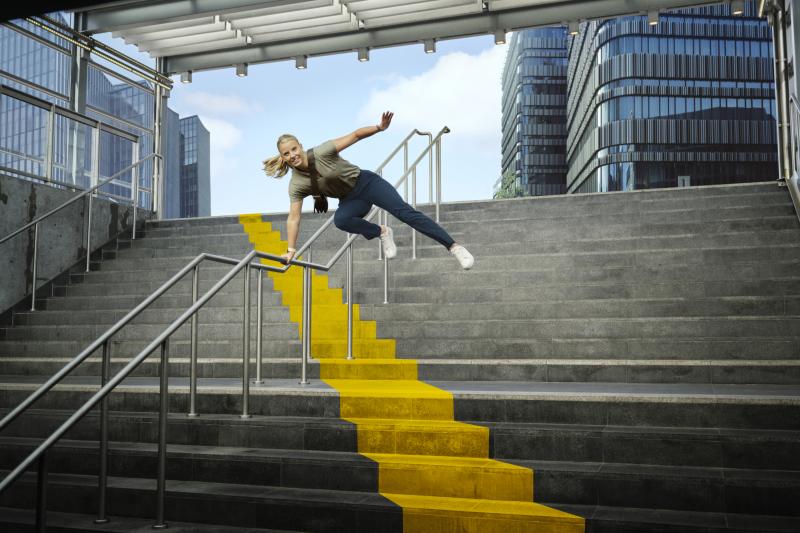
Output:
(179, 347)
(219, 503)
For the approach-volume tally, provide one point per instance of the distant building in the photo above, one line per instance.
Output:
(534, 120)
(687, 101)
(195, 170)
(43, 70)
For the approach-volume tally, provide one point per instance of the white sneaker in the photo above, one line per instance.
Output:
(465, 258)
(387, 241)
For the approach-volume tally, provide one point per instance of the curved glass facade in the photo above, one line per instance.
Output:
(534, 114)
(689, 101)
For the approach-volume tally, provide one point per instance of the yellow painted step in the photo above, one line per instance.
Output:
(362, 348)
(394, 369)
(421, 437)
(402, 399)
(428, 514)
(455, 477)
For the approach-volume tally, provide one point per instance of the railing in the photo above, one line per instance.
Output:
(793, 183)
(162, 341)
(89, 192)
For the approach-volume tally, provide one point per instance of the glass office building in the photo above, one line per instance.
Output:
(534, 115)
(195, 172)
(36, 62)
(686, 101)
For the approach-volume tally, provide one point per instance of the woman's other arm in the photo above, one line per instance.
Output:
(293, 228)
(362, 133)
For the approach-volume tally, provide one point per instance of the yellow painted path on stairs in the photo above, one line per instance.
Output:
(435, 468)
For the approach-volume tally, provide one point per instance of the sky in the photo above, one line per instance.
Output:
(459, 86)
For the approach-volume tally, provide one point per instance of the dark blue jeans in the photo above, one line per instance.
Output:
(372, 189)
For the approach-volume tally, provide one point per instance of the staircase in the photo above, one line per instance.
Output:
(630, 359)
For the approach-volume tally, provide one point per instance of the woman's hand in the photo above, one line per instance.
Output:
(288, 256)
(386, 120)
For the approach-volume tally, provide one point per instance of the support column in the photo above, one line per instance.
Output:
(161, 98)
(77, 99)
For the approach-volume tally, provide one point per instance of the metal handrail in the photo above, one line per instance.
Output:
(88, 192)
(109, 384)
(162, 341)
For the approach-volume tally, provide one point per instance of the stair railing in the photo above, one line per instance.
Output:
(161, 342)
(90, 193)
(793, 183)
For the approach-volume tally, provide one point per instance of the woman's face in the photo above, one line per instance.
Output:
(292, 153)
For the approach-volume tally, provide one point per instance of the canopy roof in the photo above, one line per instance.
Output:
(196, 35)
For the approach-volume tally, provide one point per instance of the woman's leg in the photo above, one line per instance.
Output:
(349, 217)
(381, 193)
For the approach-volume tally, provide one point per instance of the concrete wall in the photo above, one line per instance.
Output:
(62, 238)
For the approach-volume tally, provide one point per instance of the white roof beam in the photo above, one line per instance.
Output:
(536, 15)
(149, 13)
(374, 21)
(293, 15)
(186, 29)
(411, 7)
(146, 46)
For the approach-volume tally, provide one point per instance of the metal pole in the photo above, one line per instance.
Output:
(156, 196)
(103, 480)
(35, 254)
(41, 494)
(304, 330)
(350, 302)
(259, 326)
(414, 205)
(92, 182)
(438, 176)
(405, 169)
(310, 303)
(193, 349)
(48, 157)
(380, 246)
(385, 280)
(162, 437)
(246, 345)
(135, 186)
(430, 170)
(89, 232)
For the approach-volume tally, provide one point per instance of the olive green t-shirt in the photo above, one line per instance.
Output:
(338, 176)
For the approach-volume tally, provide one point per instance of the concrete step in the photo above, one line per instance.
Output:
(218, 503)
(642, 405)
(777, 371)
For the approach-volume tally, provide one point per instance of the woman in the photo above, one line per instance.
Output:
(321, 172)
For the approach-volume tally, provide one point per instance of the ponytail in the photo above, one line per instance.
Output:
(275, 166)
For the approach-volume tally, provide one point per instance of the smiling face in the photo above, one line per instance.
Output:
(292, 153)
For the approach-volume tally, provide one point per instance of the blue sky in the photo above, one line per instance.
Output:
(459, 86)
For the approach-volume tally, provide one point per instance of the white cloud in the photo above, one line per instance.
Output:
(220, 104)
(461, 91)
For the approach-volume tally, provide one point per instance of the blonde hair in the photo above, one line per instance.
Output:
(275, 166)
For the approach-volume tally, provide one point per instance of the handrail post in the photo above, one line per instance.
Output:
(259, 326)
(414, 205)
(430, 170)
(305, 331)
(405, 169)
(350, 302)
(246, 345)
(103, 478)
(162, 436)
(135, 186)
(89, 233)
(438, 176)
(310, 302)
(193, 349)
(41, 494)
(48, 156)
(35, 254)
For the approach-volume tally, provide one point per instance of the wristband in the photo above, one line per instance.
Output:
(291, 250)
(379, 127)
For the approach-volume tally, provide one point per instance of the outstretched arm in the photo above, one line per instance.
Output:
(293, 228)
(362, 133)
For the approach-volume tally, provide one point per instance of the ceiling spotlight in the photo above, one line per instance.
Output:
(500, 37)
(300, 62)
(241, 70)
(186, 77)
(363, 54)
(737, 7)
(652, 18)
(430, 46)
(572, 28)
